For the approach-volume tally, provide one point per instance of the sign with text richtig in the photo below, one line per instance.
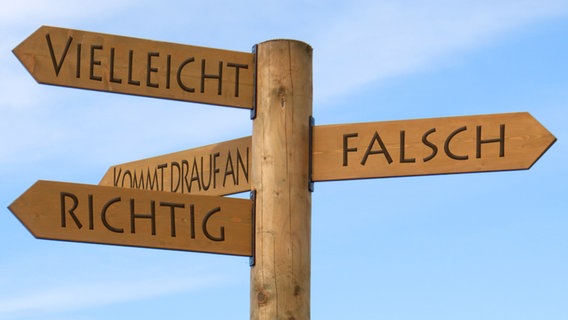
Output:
(111, 63)
(510, 141)
(128, 217)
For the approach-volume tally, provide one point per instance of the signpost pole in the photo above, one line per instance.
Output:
(280, 274)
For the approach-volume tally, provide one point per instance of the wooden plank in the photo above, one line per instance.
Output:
(511, 141)
(128, 217)
(112, 63)
(217, 169)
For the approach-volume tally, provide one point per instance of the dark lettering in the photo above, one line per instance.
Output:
(209, 214)
(94, 63)
(161, 168)
(215, 169)
(242, 165)
(57, 65)
(237, 69)
(229, 171)
(104, 215)
(180, 69)
(218, 76)
(138, 182)
(130, 68)
(173, 207)
(184, 173)
(206, 186)
(402, 149)
(501, 141)
(116, 178)
(149, 82)
(168, 70)
(346, 148)
(429, 144)
(176, 165)
(192, 221)
(91, 213)
(151, 182)
(71, 211)
(78, 70)
(127, 172)
(370, 151)
(447, 145)
(151, 216)
(112, 78)
(195, 174)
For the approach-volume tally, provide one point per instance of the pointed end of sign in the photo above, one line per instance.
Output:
(26, 57)
(27, 50)
(24, 209)
(18, 210)
(13, 207)
(544, 138)
(551, 140)
(17, 205)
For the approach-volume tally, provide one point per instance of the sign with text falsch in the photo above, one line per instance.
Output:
(128, 217)
(112, 63)
(216, 169)
(510, 141)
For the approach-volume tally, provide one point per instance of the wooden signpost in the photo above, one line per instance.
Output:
(151, 219)
(217, 169)
(171, 202)
(96, 61)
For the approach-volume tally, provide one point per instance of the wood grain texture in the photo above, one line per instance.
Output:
(280, 279)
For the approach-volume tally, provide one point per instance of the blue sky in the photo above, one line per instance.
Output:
(469, 246)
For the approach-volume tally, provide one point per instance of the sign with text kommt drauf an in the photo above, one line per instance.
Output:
(216, 169)
(510, 141)
(152, 219)
(104, 62)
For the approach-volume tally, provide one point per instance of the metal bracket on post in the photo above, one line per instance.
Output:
(253, 110)
(311, 144)
(253, 198)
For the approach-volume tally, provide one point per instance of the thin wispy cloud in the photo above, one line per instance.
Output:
(69, 297)
(16, 12)
(386, 39)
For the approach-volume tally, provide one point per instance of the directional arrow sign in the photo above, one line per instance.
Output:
(152, 219)
(511, 141)
(103, 62)
(216, 169)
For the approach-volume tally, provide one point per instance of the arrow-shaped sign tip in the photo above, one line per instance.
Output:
(547, 140)
(25, 52)
(20, 206)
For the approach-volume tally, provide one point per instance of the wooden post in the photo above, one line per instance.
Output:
(280, 276)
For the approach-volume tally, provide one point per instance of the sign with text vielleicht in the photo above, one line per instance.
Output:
(111, 63)
(511, 141)
(140, 218)
(217, 169)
